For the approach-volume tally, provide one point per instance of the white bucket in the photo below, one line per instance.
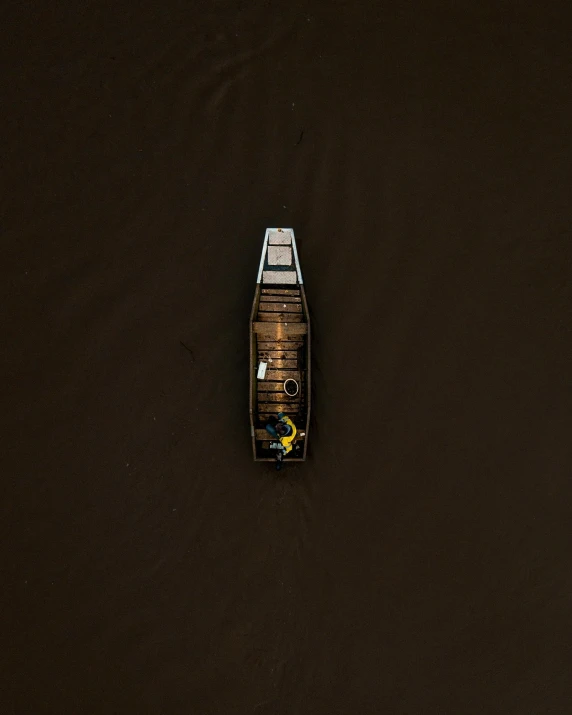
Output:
(291, 387)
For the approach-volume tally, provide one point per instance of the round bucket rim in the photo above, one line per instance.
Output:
(291, 379)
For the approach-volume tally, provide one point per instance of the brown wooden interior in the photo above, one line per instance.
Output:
(279, 337)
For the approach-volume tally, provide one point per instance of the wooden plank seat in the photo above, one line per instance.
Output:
(275, 355)
(265, 307)
(281, 317)
(279, 345)
(279, 331)
(265, 409)
(270, 397)
(271, 387)
(280, 291)
(280, 374)
(293, 299)
(275, 363)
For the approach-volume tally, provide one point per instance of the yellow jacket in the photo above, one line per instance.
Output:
(286, 442)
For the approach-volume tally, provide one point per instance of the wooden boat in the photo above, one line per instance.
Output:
(279, 347)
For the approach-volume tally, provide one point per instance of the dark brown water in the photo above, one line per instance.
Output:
(420, 561)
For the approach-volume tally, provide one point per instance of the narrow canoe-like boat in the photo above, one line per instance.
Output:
(279, 347)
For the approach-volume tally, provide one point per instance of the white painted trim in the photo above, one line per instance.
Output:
(261, 267)
(265, 248)
(298, 269)
(277, 277)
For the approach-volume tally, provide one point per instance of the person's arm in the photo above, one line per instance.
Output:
(287, 421)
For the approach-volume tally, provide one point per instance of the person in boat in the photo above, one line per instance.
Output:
(282, 429)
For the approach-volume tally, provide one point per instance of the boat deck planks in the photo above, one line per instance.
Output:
(280, 307)
(285, 318)
(272, 408)
(275, 363)
(271, 387)
(279, 325)
(295, 300)
(279, 331)
(275, 355)
(277, 345)
(280, 375)
(274, 394)
(281, 291)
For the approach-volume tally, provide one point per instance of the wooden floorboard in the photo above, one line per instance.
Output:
(281, 375)
(280, 291)
(281, 299)
(265, 307)
(279, 331)
(275, 363)
(272, 408)
(280, 345)
(278, 355)
(280, 317)
(278, 397)
(264, 386)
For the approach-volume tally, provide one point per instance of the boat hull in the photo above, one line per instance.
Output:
(280, 352)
